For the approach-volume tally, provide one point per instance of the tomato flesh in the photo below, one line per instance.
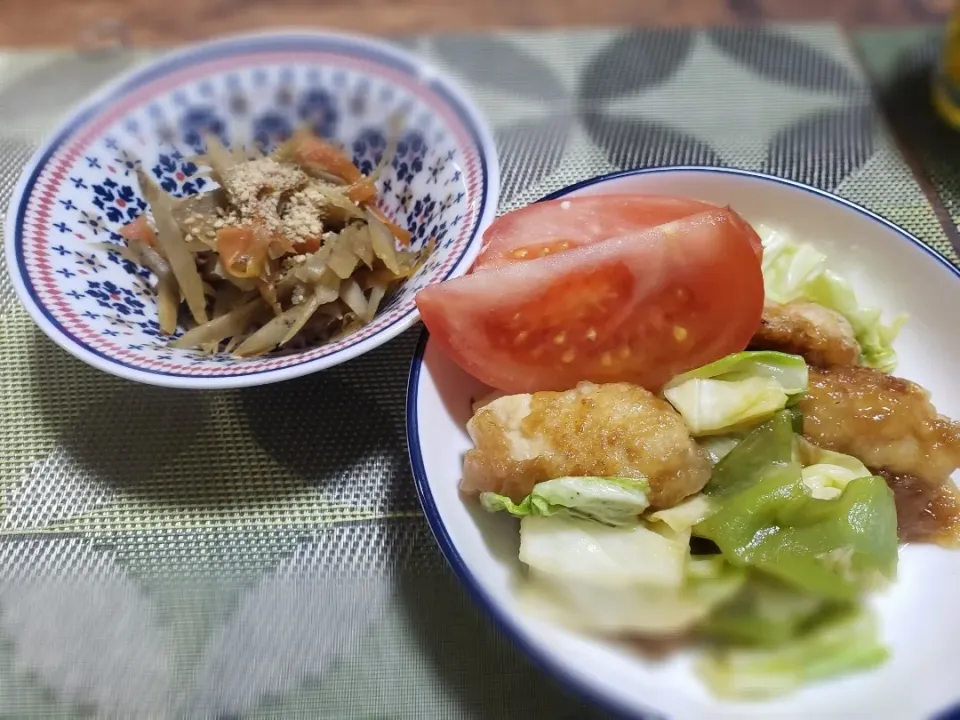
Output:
(640, 308)
(545, 228)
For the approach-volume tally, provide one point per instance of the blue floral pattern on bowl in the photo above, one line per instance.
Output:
(82, 188)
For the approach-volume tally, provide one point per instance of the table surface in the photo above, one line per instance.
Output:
(145, 22)
(201, 517)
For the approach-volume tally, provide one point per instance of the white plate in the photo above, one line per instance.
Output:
(890, 269)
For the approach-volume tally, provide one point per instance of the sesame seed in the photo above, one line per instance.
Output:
(255, 187)
(679, 333)
(247, 181)
(568, 356)
(304, 211)
(591, 334)
(560, 338)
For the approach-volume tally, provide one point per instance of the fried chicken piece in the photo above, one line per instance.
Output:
(608, 430)
(925, 513)
(822, 336)
(893, 428)
(885, 421)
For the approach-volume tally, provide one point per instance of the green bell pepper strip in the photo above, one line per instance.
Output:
(766, 612)
(766, 452)
(767, 519)
(838, 642)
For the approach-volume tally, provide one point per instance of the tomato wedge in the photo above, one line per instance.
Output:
(553, 226)
(641, 308)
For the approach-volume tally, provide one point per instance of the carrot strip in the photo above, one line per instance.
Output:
(308, 246)
(404, 236)
(239, 251)
(310, 149)
(362, 191)
(140, 230)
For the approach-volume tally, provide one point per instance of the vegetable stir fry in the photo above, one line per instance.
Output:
(289, 249)
(741, 480)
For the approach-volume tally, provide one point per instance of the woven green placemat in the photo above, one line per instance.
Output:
(901, 63)
(261, 553)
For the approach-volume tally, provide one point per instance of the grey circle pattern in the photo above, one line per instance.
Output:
(634, 62)
(636, 143)
(823, 148)
(781, 58)
(564, 106)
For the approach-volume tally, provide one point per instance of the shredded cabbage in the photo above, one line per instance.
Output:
(586, 551)
(636, 608)
(611, 501)
(841, 642)
(795, 271)
(737, 391)
(789, 371)
(827, 473)
(718, 447)
(684, 516)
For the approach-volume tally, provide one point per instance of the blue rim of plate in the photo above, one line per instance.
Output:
(354, 46)
(503, 622)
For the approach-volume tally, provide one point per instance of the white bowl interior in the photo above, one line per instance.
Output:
(918, 616)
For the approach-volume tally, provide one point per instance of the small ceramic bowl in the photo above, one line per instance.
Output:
(80, 187)
(889, 269)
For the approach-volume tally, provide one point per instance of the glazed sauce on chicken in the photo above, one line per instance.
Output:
(925, 513)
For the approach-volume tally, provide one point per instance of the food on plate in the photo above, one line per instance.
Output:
(799, 272)
(546, 228)
(288, 249)
(614, 430)
(638, 308)
(822, 336)
(891, 425)
(926, 512)
(748, 499)
(736, 391)
(800, 534)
